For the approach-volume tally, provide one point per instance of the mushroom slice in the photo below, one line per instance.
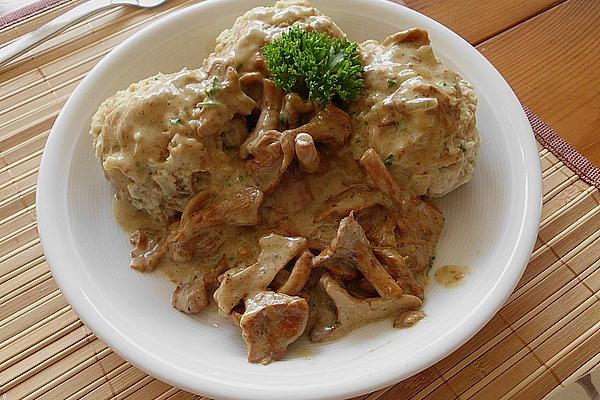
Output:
(382, 178)
(147, 252)
(200, 226)
(379, 224)
(273, 153)
(393, 260)
(330, 125)
(307, 153)
(193, 297)
(419, 222)
(190, 298)
(271, 322)
(350, 249)
(300, 274)
(416, 35)
(294, 106)
(250, 77)
(268, 119)
(276, 252)
(354, 202)
(396, 264)
(353, 312)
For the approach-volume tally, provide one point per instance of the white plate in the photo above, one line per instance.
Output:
(491, 225)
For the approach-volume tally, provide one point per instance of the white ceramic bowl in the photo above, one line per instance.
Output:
(491, 225)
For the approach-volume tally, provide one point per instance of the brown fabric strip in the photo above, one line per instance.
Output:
(28, 11)
(563, 150)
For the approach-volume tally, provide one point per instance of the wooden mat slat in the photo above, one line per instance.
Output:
(37, 341)
(31, 278)
(38, 284)
(19, 259)
(547, 332)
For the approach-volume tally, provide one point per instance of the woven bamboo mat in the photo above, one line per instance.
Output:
(547, 333)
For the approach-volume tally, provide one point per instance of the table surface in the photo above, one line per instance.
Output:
(549, 52)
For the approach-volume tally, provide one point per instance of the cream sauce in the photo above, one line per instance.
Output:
(161, 147)
(451, 275)
(409, 318)
(132, 219)
(302, 347)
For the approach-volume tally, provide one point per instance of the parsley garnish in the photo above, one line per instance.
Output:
(315, 64)
(392, 82)
(388, 160)
(462, 147)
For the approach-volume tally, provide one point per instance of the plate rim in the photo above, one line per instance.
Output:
(51, 234)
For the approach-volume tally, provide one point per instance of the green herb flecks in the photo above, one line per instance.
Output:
(392, 82)
(318, 66)
(209, 104)
(388, 160)
(401, 125)
(210, 93)
(462, 147)
(174, 121)
(215, 88)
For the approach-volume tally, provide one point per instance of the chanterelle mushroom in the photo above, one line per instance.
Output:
(299, 275)
(276, 252)
(190, 298)
(382, 178)
(273, 153)
(307, 153)
(268, 119)
(351, 249)
(200, 222)
(352, 312)
(419, 222)
(193, 297)
(330, 125)
(146, 252)
(270, 323)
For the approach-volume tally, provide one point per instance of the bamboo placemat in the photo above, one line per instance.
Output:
(548, 332)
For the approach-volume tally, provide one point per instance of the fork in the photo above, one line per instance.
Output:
(59, 24)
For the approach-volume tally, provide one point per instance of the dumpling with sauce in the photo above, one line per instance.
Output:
(146, 138)
(162, 140)
(417, 114)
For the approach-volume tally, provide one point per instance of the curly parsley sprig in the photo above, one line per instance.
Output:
(314, 64)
